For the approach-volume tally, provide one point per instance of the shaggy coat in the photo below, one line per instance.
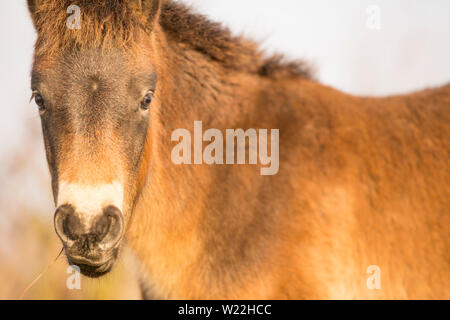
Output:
(362, 181)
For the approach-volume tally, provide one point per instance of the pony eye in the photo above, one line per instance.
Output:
(39, 101)
(145, 104)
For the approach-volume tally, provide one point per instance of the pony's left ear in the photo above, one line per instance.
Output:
(33, 8)
(150, 9)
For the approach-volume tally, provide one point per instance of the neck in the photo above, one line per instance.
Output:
(167, 230)
(168, 211)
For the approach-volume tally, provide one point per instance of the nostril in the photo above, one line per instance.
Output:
(67, 226)
(109, 227)
(101, 227)
(72, 227)
(105, 230)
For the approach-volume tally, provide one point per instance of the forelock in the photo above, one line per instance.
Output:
(104, 24)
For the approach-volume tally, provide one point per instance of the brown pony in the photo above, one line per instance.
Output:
(363, 183)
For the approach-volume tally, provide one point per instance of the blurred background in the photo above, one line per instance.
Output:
(361, 47)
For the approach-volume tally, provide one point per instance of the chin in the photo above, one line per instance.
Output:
(94, 271)
(94, 268)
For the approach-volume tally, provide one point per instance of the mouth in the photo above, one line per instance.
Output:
(92, 269)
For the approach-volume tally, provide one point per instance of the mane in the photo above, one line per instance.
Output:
(110, 23)
(219, 44)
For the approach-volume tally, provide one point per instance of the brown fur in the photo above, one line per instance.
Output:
(362, 181)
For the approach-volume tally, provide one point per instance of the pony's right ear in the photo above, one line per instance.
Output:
(33, 7)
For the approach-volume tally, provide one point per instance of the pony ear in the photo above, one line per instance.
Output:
(150, 9)
(33, 7)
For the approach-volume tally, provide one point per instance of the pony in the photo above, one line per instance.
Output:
(359, 208)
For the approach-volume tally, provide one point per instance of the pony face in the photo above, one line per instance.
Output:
(95, 100)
